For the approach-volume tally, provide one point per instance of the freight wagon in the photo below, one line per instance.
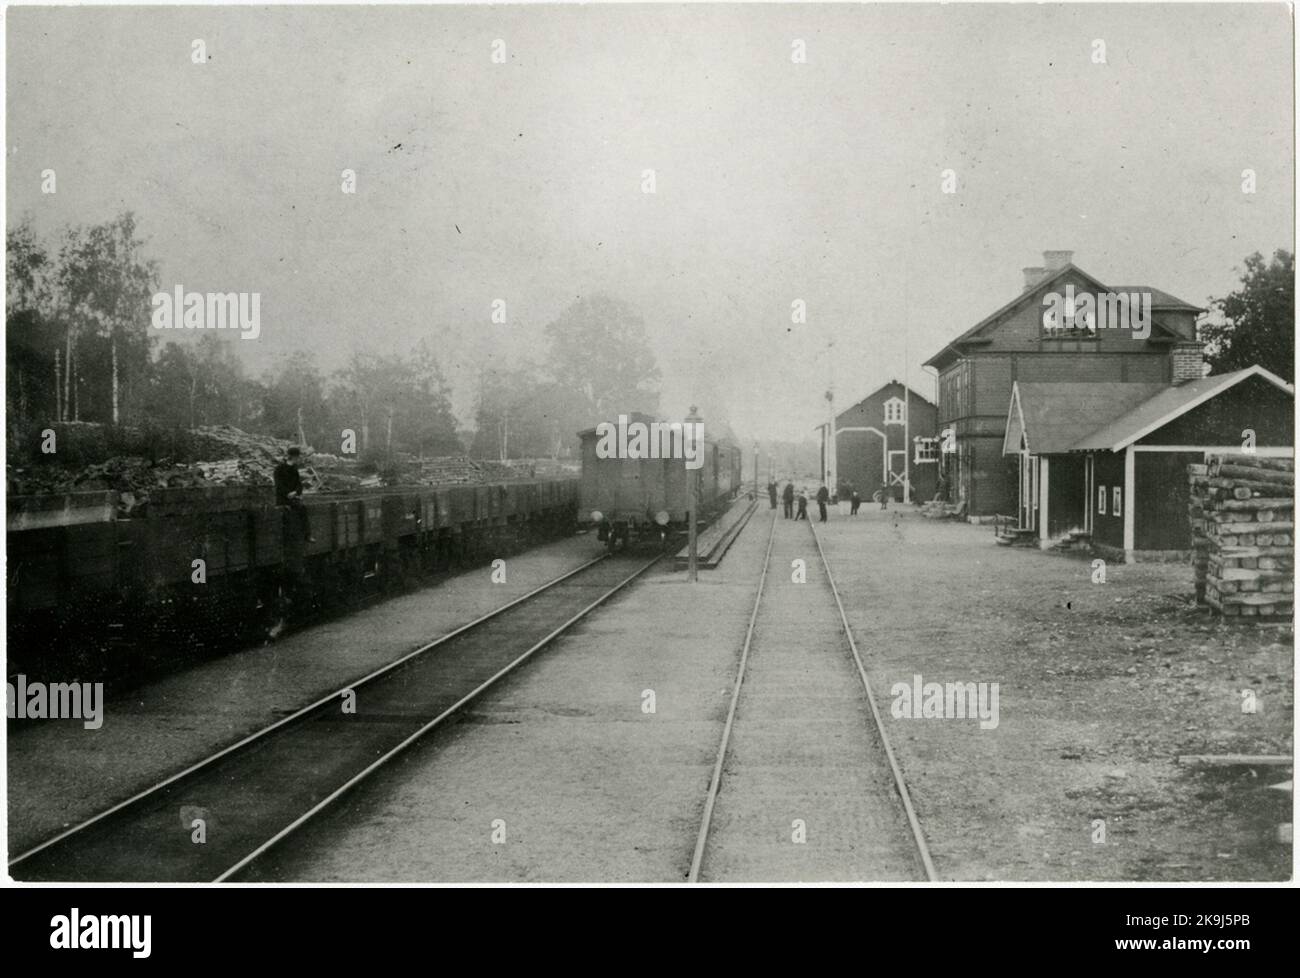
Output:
(229, 559)
(624, 494)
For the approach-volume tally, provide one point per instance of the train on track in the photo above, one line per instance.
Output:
(227, 560)
(635, 480)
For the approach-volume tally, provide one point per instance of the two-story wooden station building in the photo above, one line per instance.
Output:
(1082, 425)
(978, 369)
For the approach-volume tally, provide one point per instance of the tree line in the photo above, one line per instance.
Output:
(1255, 323)
(79, 347)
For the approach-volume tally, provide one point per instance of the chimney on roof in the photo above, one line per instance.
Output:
(1033, 276)
(1187, 362)
(1056, 260)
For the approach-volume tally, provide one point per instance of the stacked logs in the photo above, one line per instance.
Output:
(1198, 478)
(1242, 511)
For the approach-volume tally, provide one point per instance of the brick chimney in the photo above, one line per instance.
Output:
(1187, 362)
(1033, 276)
(1056, 260)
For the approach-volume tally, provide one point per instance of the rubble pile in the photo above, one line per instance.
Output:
(121, 474)
(223, 455)
(224, 442)
(1242, 511)
(236, 472)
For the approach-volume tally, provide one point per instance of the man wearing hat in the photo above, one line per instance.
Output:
(288, 488)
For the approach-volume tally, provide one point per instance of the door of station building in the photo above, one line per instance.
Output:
(897, 473)
(1027, 517)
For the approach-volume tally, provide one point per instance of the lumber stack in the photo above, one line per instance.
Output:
(1198, 477)
(1242, 511)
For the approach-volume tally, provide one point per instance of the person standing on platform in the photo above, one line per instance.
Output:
(787, 497)
(884, 496)
(771, 491)
(854, 502)
(823, 497)
(803, 506)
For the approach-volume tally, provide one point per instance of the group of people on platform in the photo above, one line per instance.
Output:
(790, 496)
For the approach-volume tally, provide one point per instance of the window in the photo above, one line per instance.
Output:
(1118, 508)
(1072, 324)
(894, 411)
(1101, 500)
(927, 450)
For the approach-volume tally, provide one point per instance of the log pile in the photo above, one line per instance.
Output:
(1242, 510)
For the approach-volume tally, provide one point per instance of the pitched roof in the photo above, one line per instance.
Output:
(1168, 404)
(632, 416)
(1054, 416)
(912, 391)
(1159, 300)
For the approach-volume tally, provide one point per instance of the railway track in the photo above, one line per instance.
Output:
(795, 751)
(251, 795)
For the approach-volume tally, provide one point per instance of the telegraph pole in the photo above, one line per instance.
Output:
(830, 443)
(692, 492)
(907, 421)
(832, 483)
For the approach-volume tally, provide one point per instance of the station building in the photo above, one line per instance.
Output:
(888, 437)
(978, 371)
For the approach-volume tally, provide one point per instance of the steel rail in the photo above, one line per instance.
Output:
(932, 875)
(294, 717)
(697, 860)
(436, 721)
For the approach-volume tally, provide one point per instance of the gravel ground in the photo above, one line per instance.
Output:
(1102, 686)
(586, 785)
(61, 773)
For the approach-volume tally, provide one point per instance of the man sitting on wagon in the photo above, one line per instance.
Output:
(288, 489)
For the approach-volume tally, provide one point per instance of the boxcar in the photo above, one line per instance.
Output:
(623, 497)
(79, 568)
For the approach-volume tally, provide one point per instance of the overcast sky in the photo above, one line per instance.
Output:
(775, 181)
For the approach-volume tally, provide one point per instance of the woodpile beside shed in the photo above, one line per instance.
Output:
(1242, 510)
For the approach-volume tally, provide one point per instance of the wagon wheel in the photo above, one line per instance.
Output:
(877, 495)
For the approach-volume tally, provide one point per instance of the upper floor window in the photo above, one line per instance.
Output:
(1061, 321)
(927, 450)
(894, 411)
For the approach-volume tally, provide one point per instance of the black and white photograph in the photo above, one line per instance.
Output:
(649, 444)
